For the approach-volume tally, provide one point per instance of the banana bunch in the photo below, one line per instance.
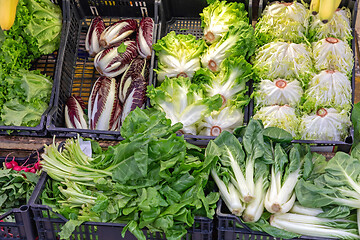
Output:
(7, 13)
(325, 8)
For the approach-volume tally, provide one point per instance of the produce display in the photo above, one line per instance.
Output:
(35, 31)
(215, 66)
(121, 54)
(303, 84)
(152, 179)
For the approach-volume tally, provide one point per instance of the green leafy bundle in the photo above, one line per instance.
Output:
(152, 179)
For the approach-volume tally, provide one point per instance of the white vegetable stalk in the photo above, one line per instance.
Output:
(330, 88)
(279, 92)
(255, 208)
(229, 195)
(299, 209)
(333, 53)
(280, 198)
(325, 124)
(309, 226)
(279, 116)
(283, 60)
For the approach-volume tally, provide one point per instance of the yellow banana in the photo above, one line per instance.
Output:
(327, 9)
(314, 6)
(7, 13)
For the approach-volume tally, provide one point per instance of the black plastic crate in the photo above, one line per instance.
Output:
(183, 17)
(320, 145)
(48, 224)
(77, 71)
(49, 65)
(232, 227)
(18, 223)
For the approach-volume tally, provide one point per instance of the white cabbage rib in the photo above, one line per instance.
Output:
(279, 116)
(279, 92)
(338, 27)
(326, 124)
(332, 53)
(330, 88)
(283, 60)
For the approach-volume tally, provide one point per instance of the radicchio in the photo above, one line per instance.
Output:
(74, 114)
(104, 107)
(144, 37)
(92, 41)
(117, 32)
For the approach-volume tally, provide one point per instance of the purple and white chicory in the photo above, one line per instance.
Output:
(145, 36)
(117, 32)
(74, 113)
(104, 109)
(92, 41)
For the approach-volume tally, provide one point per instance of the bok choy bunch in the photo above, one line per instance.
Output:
(282, 21)
(283, 60)
(183, 102)
(178, 55)
(241, 171)
(219, 16)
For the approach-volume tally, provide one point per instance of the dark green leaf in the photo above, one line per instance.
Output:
(277, 134)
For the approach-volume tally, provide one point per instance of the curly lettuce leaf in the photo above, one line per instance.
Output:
(325, 124)
(338, 27)
(283, 60)
(183, 102)
(178, 55)
(328, 88)
(283, 117)
(45, 25)
(219, 16)
(238, 41)
(282, 21)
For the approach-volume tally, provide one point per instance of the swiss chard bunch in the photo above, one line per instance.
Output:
(152, 179)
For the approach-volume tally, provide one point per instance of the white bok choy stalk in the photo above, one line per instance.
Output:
(279, 92)
(329, 88)
(285, 173)
(325, 124)
(279, 116)
(284, 60)
(315, 226)
(332, 53)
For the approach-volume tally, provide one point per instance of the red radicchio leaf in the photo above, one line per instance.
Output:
(118, 31)
(145, 36)
(92, 41)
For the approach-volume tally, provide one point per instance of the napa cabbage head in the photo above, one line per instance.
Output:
(283, 60)
(338, 27)
(325, 124)
(279, 92)
(282, 21)
(328, 88)
(238, 41)
(332, 53)
(178, 55)
(219, 16)
(283, 117)
(183, 102)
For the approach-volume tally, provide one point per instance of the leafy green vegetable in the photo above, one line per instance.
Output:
(178, 55)
(238, 41)
(183, 102)
(219, 16)
(16, 188)
(282, 21)
(152, 179)
(355, 119)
